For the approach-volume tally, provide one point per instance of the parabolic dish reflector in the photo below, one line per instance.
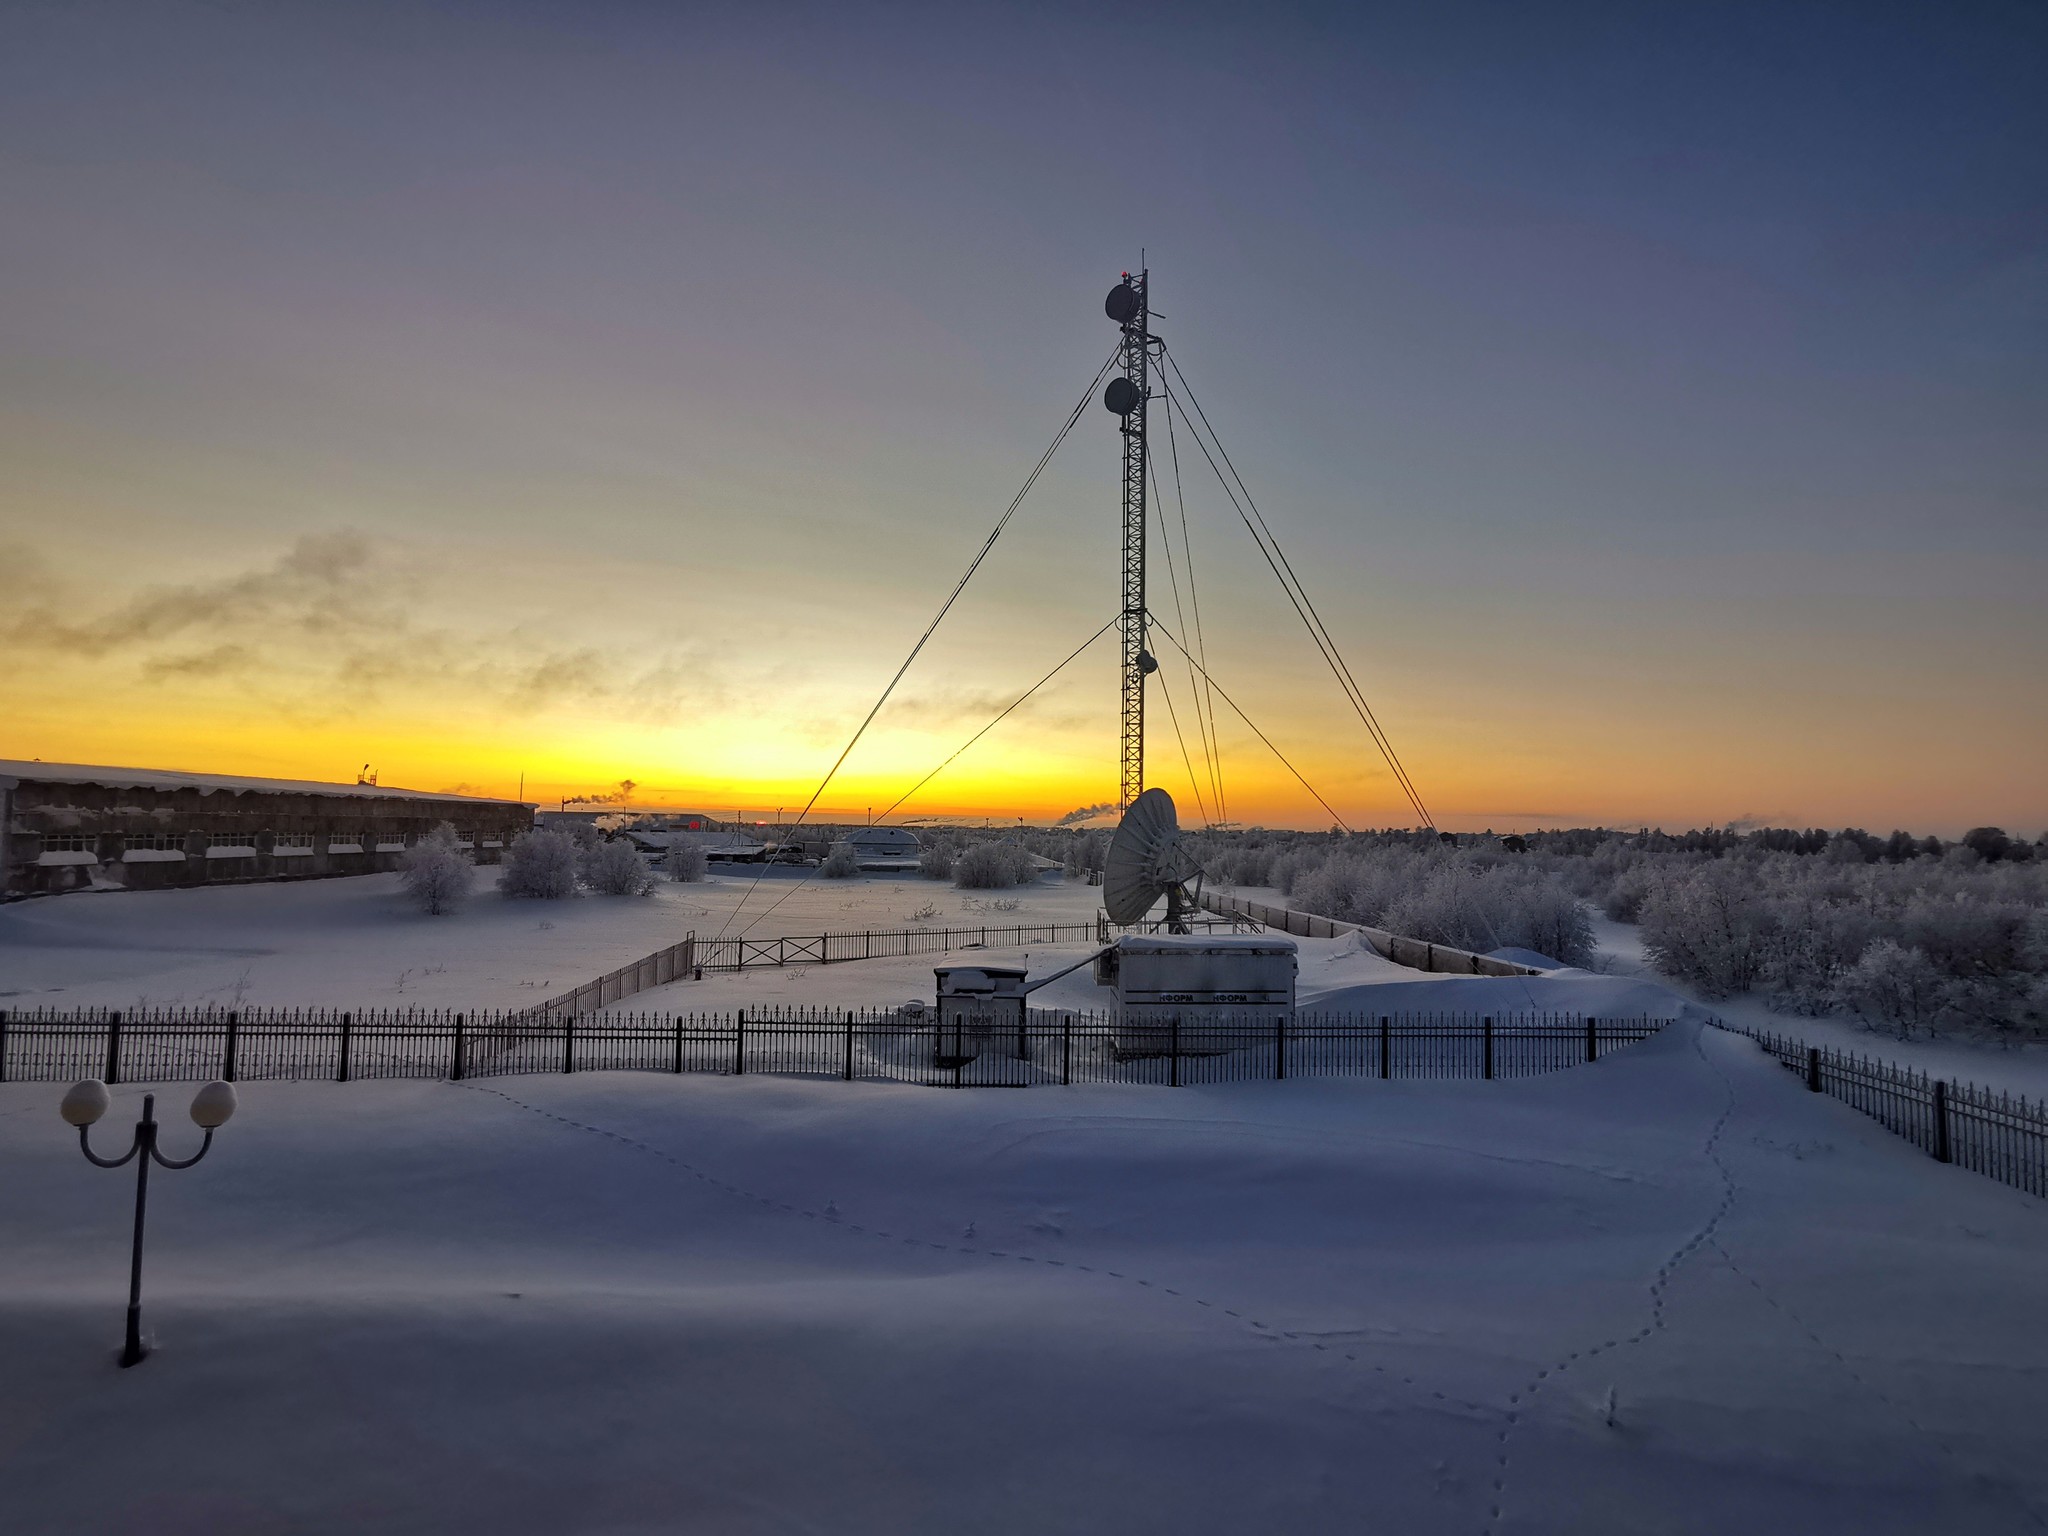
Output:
(1122, 396)
(1144, 858)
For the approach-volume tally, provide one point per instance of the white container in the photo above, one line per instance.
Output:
(1212, 994)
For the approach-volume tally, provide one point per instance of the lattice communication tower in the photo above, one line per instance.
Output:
(1127, 396)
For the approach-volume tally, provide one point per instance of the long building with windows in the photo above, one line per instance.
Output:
(69, 826)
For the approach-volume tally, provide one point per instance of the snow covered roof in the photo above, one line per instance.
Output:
(15, 772)
(883, 838)
(1167, 943)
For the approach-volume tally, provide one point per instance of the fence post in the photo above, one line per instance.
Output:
(1066, 1049)
(848, 1074)
(1386, 1047)
(679, 1042)
(1941, 1147)
(455, 1069)
(3, 1045)
(1592, 1040)
(739, 1043)
(1813, 1069)
(1486, 1047)
(114, 1047)
(569, 1043)
(1173, 1077)
(227, 1065)
(347, 1039)
(1280, 1049)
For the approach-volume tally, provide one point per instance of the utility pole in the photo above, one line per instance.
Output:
(1126, 396)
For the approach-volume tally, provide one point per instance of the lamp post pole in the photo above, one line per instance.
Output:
(82, 1107)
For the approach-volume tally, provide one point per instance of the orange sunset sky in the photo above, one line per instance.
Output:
(596, 407)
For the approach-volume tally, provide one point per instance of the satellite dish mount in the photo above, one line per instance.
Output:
(1146, 861)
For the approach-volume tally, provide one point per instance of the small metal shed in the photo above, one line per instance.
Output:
(978, 1003)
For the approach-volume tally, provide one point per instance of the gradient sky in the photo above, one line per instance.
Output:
(1651, 397)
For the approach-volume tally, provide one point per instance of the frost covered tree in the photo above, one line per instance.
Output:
(991, 866)
(936, 862)
(1896, 986)
(540, 863)
(436, 872)
(686, 861)
(1703, 927)
(842, 863)
(615, 869)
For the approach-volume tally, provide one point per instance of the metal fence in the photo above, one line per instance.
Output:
(692, 956)
(2001, 1135)
(881, 944)
(908, 1045)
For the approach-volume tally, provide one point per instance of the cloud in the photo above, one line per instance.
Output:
(340, 616)
(209, 663)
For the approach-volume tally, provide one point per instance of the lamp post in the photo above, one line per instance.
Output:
(82, 1107)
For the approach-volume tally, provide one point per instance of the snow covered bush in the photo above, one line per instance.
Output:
(842, 863)
(436, 872)
(1895, 986)
(1463, 898)
(1623, 902)
(686, 861)
(616, 869)
(993, 866)
(1792, 914)
(936, 862)
(1704, 927)
(540, 863)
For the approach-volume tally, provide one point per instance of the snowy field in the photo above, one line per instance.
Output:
(625, 1304)
(354, 941)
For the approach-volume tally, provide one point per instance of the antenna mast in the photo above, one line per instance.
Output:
(1127, 396)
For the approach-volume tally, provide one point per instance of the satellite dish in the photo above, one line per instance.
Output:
(1146, 861)
(1122, 396)
(1122, 304)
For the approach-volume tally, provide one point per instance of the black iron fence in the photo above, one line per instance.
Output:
(909, 1044)
(734, 954)
(2001, 1135)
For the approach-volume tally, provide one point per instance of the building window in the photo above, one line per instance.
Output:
(155, 842)
(69, 842)
(285, 840)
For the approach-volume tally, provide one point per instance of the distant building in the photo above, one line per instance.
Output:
(66, 826)
(884, 847)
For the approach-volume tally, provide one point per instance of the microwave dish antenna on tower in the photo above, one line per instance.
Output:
(1146, 861)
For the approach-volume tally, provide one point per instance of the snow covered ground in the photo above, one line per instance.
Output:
(615, 1303)
(354, 941)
